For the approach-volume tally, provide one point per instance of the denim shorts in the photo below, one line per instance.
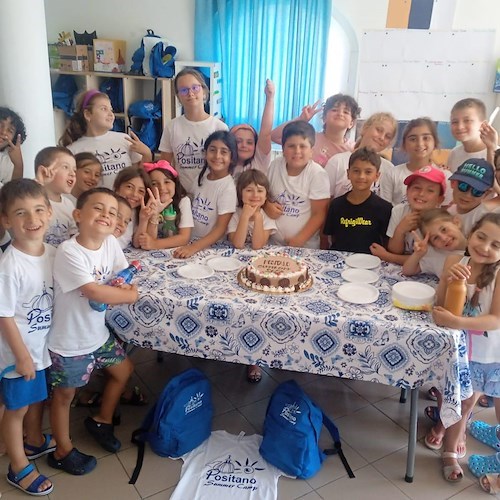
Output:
(75, 371)
(485, 378)
(18, 392)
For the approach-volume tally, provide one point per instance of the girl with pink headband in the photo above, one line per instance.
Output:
(254, 150)
(90, 131)
(170, 221)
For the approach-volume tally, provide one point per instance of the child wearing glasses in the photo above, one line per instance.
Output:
(183, 138)
(471, 184)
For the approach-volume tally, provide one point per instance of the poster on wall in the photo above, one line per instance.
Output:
(424, 72)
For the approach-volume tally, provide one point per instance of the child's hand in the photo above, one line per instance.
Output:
(420, 246)
(184, 252)
(443, 317)
(488, 135)
(155, 203)
(15, 150)
(294, 242)
(379, 251)
(146, 241)
(146, 211)
(26, 367)
(248, 211)
(309, 111)
(137, 146)
(409, 222)
(458, 272)
(269, 89)
(45, 175)
(273, 209)
(133, 292)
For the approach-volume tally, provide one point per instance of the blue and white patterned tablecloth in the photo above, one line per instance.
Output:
(312, 331)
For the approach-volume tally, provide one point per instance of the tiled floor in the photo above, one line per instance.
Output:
(372, 423)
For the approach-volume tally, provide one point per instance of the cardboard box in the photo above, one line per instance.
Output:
(54, 59)
(109, 55)
(75, 57)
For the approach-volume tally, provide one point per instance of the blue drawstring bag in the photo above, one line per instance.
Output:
(147, 115)
(180, 420)
(292, 428)
(162, 60)
(63, 93)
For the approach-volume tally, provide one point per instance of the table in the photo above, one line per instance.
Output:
(313, 331)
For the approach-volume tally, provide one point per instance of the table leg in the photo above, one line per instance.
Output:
(403, 395)
(412, 437)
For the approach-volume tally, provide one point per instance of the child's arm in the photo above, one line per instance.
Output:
(260, 236)
(452, 269)
(16, 157)
(420, 247)
(239, 236)
(307, 113)
(213, 236)
(490, 321)
(148, 242)
(397, 241)
(112, 295)
(24, 361)
(266, 125)
(490, 138)
(314, 224)
(273, 209)
(379, 251)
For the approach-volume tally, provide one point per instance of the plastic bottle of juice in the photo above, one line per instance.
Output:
(456, 295)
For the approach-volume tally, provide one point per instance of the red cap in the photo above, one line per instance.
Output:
(430, 173)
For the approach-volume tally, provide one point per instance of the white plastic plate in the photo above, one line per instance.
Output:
(195, 271)
(224, 264)
(358, 293)
(362, 261)
(359, 275)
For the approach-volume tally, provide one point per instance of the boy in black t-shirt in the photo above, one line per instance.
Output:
(359, 218)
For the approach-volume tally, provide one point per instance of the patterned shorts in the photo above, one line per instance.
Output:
(75, 371)
(485, 378)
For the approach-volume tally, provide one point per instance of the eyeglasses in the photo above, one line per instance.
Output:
(184, 91)
(463, 187)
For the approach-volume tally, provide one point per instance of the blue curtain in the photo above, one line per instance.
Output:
(285, 40)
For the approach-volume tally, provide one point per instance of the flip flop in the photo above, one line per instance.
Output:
(449, 469)
(486, 401)
(439, 439)
(489, 483)
(254, 374)
(480, 465)
(39, 451)
(432, 413)
(487, 434)
(433, 393)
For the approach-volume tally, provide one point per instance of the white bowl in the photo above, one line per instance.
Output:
(413, 296)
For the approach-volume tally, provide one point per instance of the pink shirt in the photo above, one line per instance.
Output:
(324, 149)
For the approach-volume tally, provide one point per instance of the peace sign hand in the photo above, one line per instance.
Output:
(420, 245)
(310, 110)
(155, 204)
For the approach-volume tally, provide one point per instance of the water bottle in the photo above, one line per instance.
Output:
(124, 276)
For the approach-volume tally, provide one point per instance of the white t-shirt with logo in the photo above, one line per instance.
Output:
(62, 226)
(76, 328)
(397, 215)
(185, 139)
(211, 199)
(225, 467)
(458, 155)
(294, 194)
(112, 150)
(27, 296)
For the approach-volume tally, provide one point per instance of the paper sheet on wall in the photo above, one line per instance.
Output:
(424, 72)
(441, 18)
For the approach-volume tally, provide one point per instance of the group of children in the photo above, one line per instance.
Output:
(212, 183)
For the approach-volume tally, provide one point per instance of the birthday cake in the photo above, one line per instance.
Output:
(276, 273)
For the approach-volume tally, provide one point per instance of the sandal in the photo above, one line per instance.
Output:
(87, 399)
(254, 374)
(75, 462)
(39, 451)
(486, 401)
(433, 394)
(432, 413)
(137, 398)
(449, 469)
(438, 444)
(103, 434)
(32, 489)
(489, 483)
(480, 465)
(487, 434)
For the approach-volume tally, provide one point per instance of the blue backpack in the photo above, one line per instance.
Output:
(149, 127)
(162, 61)
(291, 433)
(180, 420)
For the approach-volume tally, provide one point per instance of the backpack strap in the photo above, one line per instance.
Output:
(139, 437)
(334, 432)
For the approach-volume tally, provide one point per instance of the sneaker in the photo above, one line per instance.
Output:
(103, 434)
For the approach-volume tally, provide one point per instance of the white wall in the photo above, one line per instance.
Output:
(125, 20)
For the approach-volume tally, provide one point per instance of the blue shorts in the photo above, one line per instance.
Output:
(75, 371)
(18, 392)
(485, 378)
